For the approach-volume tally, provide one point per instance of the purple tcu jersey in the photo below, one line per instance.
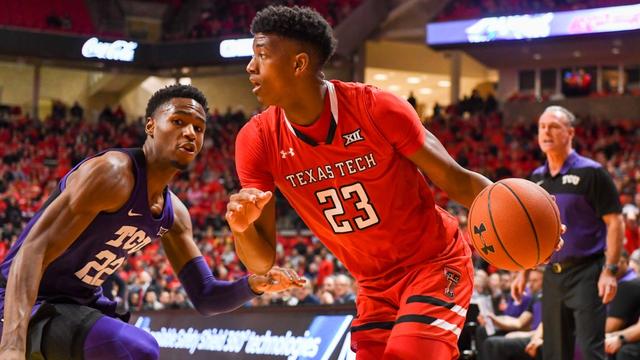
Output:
(102, 247)
(584, 193)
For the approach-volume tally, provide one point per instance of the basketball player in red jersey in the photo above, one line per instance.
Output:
(347, 157)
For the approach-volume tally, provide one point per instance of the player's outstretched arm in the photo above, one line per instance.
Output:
(251, 215)
(400, 124)
(100, 184)
(209, 295)
(461, 185)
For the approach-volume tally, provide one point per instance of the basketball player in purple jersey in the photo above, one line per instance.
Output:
(106, 208)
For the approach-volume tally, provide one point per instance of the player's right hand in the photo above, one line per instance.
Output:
(518, 285)
(245, 207)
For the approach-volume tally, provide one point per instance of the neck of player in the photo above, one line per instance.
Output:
(159, 173)
(307, 103)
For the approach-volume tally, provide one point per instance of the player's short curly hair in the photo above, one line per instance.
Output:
(175, 91)
(298, 23)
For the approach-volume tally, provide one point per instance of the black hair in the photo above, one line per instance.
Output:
(298, 23)
(175, 91)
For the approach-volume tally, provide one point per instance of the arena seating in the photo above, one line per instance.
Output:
(36, 154)
(57, 15)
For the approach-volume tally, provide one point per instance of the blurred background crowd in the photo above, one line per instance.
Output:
(36, 154)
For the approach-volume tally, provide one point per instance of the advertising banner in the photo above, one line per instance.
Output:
(293, 333)
(535, 26)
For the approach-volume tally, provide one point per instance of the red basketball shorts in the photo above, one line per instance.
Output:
(430, 301)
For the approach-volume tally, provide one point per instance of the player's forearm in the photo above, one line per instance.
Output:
(22, 289)
(209, 295)
(254, 250)
(469, 186)
(615, 236)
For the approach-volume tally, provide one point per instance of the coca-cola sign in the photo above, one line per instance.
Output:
(119, 50)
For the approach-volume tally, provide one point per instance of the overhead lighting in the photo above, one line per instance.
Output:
(380, 77)
(425, 91)
(615, 51)
(394, 88)
(413, 80)
(537, 56)
(577, 54)
(444, 83)
(231, 48)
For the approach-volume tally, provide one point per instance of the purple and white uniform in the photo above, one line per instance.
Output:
(77, 275)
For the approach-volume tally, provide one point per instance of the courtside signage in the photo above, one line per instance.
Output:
(535, 26)
(287, 336)
(119, 50)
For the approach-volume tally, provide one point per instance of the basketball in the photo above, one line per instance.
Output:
(514, 224)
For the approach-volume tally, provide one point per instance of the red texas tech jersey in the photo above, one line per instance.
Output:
(355, 190)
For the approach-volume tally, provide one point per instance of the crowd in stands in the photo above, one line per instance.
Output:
(231, 17)
(54, 15)
(219, 18)
(35, 154)
(471, 9)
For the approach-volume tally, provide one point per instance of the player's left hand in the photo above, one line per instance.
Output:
(607, 286)
(277, 279)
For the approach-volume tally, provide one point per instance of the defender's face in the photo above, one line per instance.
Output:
(271, 69)
(178, 130)
(554, 133)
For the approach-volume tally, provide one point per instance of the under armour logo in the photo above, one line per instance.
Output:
(162, 231)
(289, 152)
(478, 230)
(452, 277)
(352, 137)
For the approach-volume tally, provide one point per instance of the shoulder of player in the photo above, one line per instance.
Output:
(258, 122)
(264, 116)
(109, 177)
(376, 100)
(181, 217)
(258, 128)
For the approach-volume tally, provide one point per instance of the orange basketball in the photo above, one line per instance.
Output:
(514, 224)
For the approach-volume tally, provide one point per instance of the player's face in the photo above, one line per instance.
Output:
(178, 130)
(272, 67)
(554, 133)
